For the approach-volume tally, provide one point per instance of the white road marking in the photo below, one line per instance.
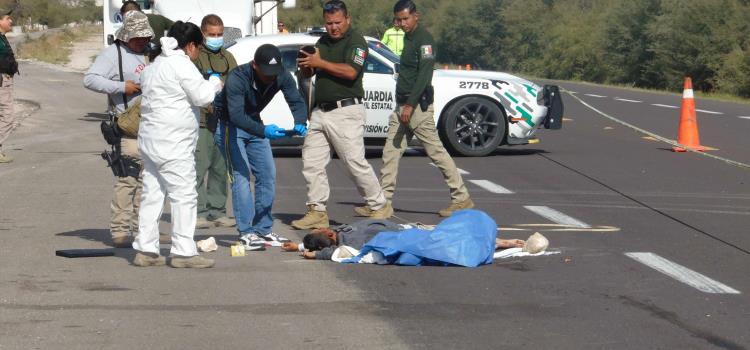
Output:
(599, 96)
(743, 117)
(665, 106)
(491, 186)
(460, 171)
(626, 100)
(682, 274)
(660, 138)
(708, 112)
(556, 216)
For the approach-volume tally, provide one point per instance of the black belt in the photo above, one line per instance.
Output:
(401, 98)
(329, 106)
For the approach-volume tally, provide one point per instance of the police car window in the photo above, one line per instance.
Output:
(374, 65)
(383, 51)
(289, 57)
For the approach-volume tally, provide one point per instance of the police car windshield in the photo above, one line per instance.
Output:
(384, 51)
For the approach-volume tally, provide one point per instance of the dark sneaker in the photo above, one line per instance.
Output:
(149, 259)
(274, 240)
(193, 262)
(252, 242)
(467, 204)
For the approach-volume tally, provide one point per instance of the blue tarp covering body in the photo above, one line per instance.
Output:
(467, 238)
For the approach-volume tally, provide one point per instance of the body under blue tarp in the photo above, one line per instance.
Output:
(466, 238)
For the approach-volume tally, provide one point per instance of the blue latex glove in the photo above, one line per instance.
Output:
(300, 129)
(273, 132)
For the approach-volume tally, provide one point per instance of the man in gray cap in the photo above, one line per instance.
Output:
(8, 68)
(116, 72)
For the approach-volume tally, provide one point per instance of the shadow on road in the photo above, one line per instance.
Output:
(509, 152)
(296, 152)
(376, 152)
(287, 218)
(90, 234)
(395, 209)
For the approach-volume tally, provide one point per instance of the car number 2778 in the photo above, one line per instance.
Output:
(473, 85)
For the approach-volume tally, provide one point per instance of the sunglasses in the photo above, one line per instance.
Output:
(334, 5)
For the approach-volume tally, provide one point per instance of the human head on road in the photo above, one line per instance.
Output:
(319, 239)
(267, 63)
(405, 15)
(189, 38)
(213, 30)
(135, 31)
(336, 19)
(6, 22)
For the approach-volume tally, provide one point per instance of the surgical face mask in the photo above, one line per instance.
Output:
(214, 44)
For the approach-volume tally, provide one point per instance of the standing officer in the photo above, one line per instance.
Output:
(338, 119)
(129, 56)
(394, 39)
(414, 114)
(210, 165)
(8, 68)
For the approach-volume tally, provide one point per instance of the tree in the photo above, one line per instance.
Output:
(691, 38)
(626, 41)
(470, 33)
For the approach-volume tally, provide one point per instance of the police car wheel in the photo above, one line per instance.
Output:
(472, 127)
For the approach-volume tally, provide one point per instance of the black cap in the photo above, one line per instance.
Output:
(268, 59)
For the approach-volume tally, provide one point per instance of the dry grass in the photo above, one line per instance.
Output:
(56, 47)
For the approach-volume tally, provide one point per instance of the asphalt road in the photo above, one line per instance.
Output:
(597, 189)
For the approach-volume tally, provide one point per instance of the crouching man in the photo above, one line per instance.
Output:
(245, 140)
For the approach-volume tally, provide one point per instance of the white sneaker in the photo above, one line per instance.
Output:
(252, 242)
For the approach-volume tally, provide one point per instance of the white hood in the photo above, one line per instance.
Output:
(169, 47)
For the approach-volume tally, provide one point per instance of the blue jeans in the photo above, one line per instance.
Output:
(249, 154)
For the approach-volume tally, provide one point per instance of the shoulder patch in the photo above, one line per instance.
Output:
(359, 56)
(426, 51)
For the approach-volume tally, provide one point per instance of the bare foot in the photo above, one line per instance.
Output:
(508, 243)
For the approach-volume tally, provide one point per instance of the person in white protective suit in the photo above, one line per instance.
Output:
(173, 91)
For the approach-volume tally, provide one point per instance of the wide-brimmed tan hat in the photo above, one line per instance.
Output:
(134, 25)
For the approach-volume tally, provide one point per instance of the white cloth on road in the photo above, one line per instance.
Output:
(344, 253)
(518, 252)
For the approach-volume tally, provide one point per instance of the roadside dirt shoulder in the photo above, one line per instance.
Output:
(84, 52)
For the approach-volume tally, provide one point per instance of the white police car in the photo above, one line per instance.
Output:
(475, 111)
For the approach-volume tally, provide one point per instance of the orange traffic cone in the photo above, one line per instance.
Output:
(688, 133)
